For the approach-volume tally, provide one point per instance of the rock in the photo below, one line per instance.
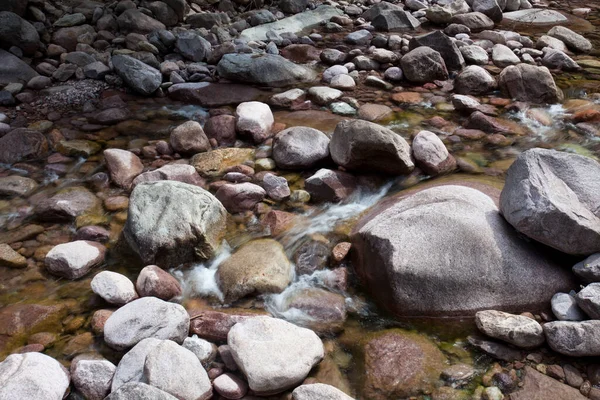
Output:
(588, 300)
(399, 364)
(230, 386)
(68, 37)
(565, 308)
(131, 367)
(32, 376)
(139, 391)
(193, 46)
(267, 69)
(474, 80)
(556, 59)
(423, 65)
(114, 288)
(288, 98)
(537, 386)
(441, 43)
(497, 350)
(213, 94)
(361, 37)
(240, 197)
(300, 147)
(503, 57)
(133, 20)
(189, 138)
(143, 318)
(575, 41)
(123, 166)
(171, 172)
(22, 145)
(489, 8)
(204, 350)
(523, 332)
(588, 269)
(222, 129)
(255, 120)
(529, 83)
(395, 20)
(293, 7)
(93, 378)
(475, 21)
(260, 343)
(574, 339)
(166, 230)
(330, 186)
(214, 325)
(332, 56)
(379, 8)
(324, 95)
(536, 16)
(318, 309)
(318, 391)
(10, 258)
(276, 187)
(69, 20)
(365, 146)
(13, 69)
(213, 163)
(15, 31)
(141, 77)
(426, 232)
(259, 266)
(75, 259)
(548, 41)
(155, 282)
(548, 192)
(162, 370)
(374, 112)
(68, 204)
(15, 6)
(20, 186)
(474, 55)
(431, 154)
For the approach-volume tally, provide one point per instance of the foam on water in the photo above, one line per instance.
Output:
(541, 131)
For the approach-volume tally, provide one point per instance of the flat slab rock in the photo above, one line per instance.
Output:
(536, 16)
(537, 386)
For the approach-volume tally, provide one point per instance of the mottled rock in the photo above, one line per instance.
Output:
(329, 185)
(93, 378)
(518, 330)
(423, 65)
(123, 166)
(156, 282)
(189, 138)
(141, 77)
(529, 83)
(537, 386)
(431, 154)
(255, 120)
(75, 259)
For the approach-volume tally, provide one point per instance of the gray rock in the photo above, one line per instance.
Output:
(423, 65)
(475, 55)
(189, 138)
(131, 367)
(170, 223)
(163, 370)
(422, 254)
(396, 20)
(574, 339)
(497, 350)
(75, 259)
(135, 21)
(96, 70)
(139, 391)
(549, 41)
(276, 187)
(141, 77)
(380, 8)
(254, 119)
(12, 69)
(114, 288)
(204, 350)
(475, 21)
(143, 318)
(293, 6)
(489, 8)
(565, 308)
(268, 69)
(548, 193)
(431, 155)
(331, 186)
(193, 46)
(32, 376)
(529, 83)
(93, 378)
(441, 43)
(588, 300)
(588, 269)
(518, 330)
(360, 38)
(474, 80)
(536, 16)
(123, 166)
(368, 147)
(207, 20)
(323, 95)
(300, 147)
(171, 172)
(15, 6)
(20, 186)
(69, 20)
(556, 59)
(319, 391)
(575, 41)
(68, 37)
(273, 354)
(15, 31)
(502, 56)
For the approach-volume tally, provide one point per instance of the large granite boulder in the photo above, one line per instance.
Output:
(170, 223)
(141, 77)
(447, 251)
(549, 193)
(524, 82)
(15, 31)
(367, 147)
(268, 70)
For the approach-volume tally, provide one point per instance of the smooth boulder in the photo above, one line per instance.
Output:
(518, 330)
(524, 82)
(423, 65)
(574, 339)
(75, 259)
(141, 77)
(300, 147)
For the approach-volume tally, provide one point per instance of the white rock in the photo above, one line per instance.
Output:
(139, 391)
(565, 308)
(273, 354)
(131, 367)
(343, 82)
(254, 119)
(334, 71)
(515, 329)
(431, 153)
(203, 349)
(75, 259)
(287, 98)
(324, 95)
(319, 391)
(502, 56)
(114, 288)
(93, 378)
(230, 386)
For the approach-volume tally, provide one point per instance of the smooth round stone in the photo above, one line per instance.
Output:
(230, 386)
(115, 288)
(74, 260)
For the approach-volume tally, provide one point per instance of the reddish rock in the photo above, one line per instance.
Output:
(230, 386)
(99, 319)
(479, 120)
(213, 94)
(213, 325)
(93, 233)
(37, 348)
(123, 166)
(407, 97)
(278, 221)
(470, 134)
(340, 251)
(68, 204)
(329, 185)
(116, 203)
(537, 386)
(153, 281)
(240, 197)
(21, 145)
(189, 138)
(374, 112)
(222, 129)
(301, 53)
(589, 115)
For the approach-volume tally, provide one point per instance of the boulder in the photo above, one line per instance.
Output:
(267, 69)
(254, 119)
(189, 138)
(503, 57)
(141, 77)
(573, 40)
(193, 46)
(475, 55)
(331, 186)
(22, 145)
(423, 65)
(114, 288)
(549, 192)
(529, 83)
(300, 147)
(172, 172)
(92, 378)
(139, 391)
(273, 354)
(204, 350)
(14, 70)
(537, 386)
(240, 197)
(488, 7)
(143, 318)
(163, 370)
(395, 20)
(588, 300)
(367, 147)
(443, 252)
(258, 267)
(135, 21)
(32, 376)
(536, 16)
(131, 367)
(475, 21)
(588, 269)
(474, 80)
(15, 31)
(556, 59)
(170, 223)
(156, 282)
(565, 308)
(123, 166)
(517, 330)
(574, 339)
(441, 43)
(68, 204)
(431, 155)
(68, 37)
(75, 259)
(319, 391)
